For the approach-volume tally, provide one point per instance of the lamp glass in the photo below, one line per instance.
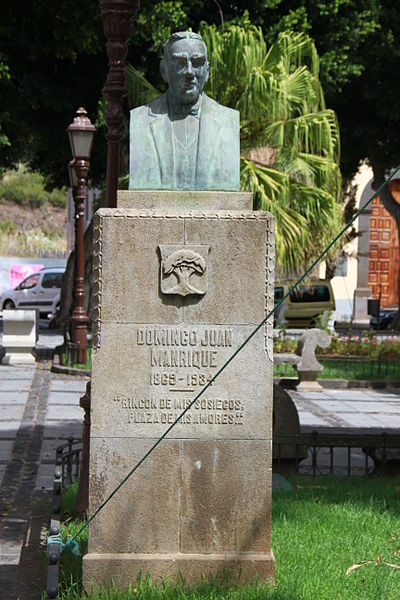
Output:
(81, 143)
(73, 179)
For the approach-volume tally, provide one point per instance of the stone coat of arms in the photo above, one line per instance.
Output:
(183, 269)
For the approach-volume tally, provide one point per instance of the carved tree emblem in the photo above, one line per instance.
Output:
(186, 265)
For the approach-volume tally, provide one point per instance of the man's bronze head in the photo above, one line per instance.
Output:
(185, 66)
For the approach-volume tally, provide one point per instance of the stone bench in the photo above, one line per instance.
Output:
(19, 336)
(286, 358)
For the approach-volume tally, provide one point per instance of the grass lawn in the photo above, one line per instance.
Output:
(86, 366)
(319, 529)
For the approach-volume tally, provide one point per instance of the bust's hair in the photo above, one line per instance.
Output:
(181, 35)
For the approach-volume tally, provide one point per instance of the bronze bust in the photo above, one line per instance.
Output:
(184, 139)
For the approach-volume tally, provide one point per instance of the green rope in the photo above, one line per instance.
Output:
(71, 544)
(231, 358)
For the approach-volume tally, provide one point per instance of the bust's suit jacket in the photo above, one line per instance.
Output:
(151, 156)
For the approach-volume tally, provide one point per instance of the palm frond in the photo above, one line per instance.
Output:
(140, 91)
(283, 114)
(314, 133)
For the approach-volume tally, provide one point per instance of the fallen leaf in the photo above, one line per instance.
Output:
(370, 562)
(358, 565)
(391, 565)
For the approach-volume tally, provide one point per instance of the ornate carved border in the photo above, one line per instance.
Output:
(97, 280)
(107, 213)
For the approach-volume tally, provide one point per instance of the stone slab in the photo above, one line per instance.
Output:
(181, 200)
(65, 398)
(369, 406)
(362, 420)
(14, 398)
(132, 293)
(61, 430)
(338, 406)
(5, 449)
(61, 412)
(71, 385)
(307, 418)
(388, 421)
(124, 569)
(45, 477)
(8, 385)
(2, 471)
(169, 490)
(11, 412)
(8, 429)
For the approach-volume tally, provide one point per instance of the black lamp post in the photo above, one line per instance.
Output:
(81, 133)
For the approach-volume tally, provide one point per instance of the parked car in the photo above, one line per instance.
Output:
(307, 302)
(386, 318)
(40, 291)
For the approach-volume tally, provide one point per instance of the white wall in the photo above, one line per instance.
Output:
(344, 286)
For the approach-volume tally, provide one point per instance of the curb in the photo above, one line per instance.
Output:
(358, 383)
(343, 384)
(61, 369)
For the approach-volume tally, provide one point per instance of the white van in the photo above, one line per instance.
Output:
(40, 291)
(306, 302)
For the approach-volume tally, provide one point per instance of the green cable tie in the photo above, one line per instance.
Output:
(71, 544)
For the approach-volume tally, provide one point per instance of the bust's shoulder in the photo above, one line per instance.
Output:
(156, 107)
(223, 112)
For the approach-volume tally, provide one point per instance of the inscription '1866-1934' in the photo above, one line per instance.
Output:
(183, 357)
(179, 362)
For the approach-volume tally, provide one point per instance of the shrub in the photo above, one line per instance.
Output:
(8, 227)
(58, 197)
(27, 188)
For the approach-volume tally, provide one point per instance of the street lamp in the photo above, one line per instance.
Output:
(81, 133)
(117, 16)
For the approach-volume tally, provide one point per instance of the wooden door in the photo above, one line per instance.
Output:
(384, 251)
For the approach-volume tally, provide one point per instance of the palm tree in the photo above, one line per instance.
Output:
(289, 140)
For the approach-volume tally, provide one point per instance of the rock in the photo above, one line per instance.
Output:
(286, 433)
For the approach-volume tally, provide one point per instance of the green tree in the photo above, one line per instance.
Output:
(360, 53)
(53, 60)
(289, 140)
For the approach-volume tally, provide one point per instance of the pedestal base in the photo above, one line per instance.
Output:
(361, 297)
(18, 358)
(124, 569)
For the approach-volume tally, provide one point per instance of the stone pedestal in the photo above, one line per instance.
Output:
(177, 292)
(19, 336)
(361, 297)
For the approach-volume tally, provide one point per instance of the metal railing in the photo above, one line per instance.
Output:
(314, 453)
(68, 459)
(66, 471)
(349, 367)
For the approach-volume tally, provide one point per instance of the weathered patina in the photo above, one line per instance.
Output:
(184, 139)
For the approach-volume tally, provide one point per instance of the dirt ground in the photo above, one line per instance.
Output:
(47, 217)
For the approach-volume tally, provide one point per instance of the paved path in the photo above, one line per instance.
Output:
(342, 408)
(39, 410)
(346, 410)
